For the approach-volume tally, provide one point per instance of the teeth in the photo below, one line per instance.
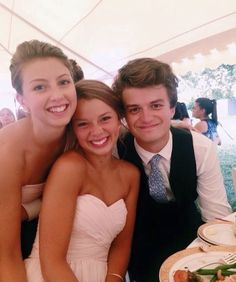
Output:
(100, 142)
(57, 109)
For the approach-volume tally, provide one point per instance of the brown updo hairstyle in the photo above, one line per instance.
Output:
(29, 50)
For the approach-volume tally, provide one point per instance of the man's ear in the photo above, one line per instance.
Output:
(172, 112)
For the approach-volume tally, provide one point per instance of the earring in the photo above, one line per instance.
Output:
(25, 109)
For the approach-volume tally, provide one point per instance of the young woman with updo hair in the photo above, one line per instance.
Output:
(207, 125)
(42, 77)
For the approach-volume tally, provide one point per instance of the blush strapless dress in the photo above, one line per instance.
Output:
(95, 227)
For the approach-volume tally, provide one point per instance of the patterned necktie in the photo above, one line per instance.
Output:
(156, 183)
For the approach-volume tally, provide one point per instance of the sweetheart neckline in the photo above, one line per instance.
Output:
(101, 201)
(34, 185)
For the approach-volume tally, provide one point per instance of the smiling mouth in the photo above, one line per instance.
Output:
(150, 126)
(100, 141)
(58, 109)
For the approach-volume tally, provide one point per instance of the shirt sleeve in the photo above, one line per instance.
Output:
(212, 197)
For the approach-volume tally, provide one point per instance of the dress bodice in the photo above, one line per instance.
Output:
(95, 227)
(31, 192)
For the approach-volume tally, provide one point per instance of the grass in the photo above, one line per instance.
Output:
(227, 157)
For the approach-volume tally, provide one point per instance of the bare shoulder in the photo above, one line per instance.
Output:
(67, 174)
(128, 169)
(70, 162)
(14, 137)
(12, 148)
(201, 126)
(12, 160)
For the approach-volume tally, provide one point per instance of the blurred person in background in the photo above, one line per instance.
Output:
(181, 117)
(181, 112)
(203, 107)
(6, 116)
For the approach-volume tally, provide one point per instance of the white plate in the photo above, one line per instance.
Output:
(218, 233)
(192, 258)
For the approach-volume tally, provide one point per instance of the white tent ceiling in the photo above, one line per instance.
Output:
(102, 35)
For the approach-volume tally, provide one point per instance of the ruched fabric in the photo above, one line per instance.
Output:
(95, 227)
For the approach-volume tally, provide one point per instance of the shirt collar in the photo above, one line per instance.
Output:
(146, 155)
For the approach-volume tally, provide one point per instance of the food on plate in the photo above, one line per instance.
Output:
(223, 272)
(231, 278)
(186, 276)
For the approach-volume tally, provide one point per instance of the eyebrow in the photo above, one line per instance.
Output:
(137, 105)
(45, 80)
(106, 113)
(81, 119)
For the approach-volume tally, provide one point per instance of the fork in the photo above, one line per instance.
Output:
(229, 258)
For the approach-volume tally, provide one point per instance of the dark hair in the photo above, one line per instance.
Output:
(29, 50)
(77, 71)
(180, 111)
(209, 106)
(146, 72)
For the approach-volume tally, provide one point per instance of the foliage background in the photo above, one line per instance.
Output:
(227, 157)
(219, 83)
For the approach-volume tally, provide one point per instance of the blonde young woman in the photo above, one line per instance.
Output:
(42, 78)
(89, 202)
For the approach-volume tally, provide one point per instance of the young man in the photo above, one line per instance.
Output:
(189, 168)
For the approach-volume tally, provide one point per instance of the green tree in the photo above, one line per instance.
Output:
(214, 84)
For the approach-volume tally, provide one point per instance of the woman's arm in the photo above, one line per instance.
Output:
(56, 217)
(11, 263)
(119, 253)
(182, 124)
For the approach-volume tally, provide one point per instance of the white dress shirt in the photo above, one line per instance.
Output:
(212, 199)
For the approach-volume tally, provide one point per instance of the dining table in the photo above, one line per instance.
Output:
(219, 241)
(199, 242)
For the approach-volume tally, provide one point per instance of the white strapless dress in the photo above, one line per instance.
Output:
(31, 192)
(95, 227)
